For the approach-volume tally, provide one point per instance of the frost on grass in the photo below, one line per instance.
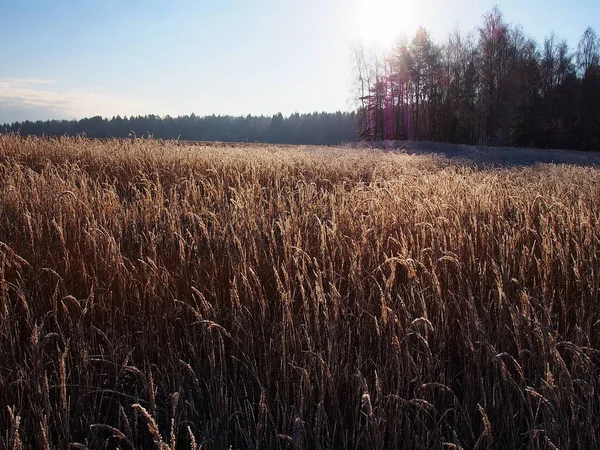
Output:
(164, 295)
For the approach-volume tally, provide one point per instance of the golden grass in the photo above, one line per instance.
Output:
(162, 295)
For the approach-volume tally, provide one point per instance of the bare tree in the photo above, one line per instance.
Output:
(588, 51)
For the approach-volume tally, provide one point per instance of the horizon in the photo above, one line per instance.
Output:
(182, 116)
(232, 59)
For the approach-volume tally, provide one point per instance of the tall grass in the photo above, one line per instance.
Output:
(161, 295)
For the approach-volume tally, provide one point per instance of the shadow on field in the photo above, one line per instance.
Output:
(503, 156)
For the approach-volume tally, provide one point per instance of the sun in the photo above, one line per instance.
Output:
(382, 21)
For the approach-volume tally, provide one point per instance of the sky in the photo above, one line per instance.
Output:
(69, 59)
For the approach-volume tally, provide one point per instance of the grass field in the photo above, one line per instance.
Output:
(164, 295)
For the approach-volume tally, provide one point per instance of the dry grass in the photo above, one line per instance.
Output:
(162, 295)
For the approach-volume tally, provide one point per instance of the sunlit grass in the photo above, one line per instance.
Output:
(162, 295)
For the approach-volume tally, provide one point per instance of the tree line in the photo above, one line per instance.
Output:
(494, 86)
(314, 128)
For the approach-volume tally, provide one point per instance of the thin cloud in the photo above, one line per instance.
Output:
(37, 99)
(24, 81)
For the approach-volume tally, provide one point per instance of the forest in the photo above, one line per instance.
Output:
(492, 86)
(313, 128)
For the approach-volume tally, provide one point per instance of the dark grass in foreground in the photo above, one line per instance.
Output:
(160, 295)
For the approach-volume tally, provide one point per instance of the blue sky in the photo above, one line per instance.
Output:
(78, 58)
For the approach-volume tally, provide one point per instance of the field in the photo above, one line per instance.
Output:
(173, 296)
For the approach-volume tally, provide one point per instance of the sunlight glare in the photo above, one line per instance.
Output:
(382, 21)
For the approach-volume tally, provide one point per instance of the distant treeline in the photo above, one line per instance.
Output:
(316, 128)
(496, 86)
